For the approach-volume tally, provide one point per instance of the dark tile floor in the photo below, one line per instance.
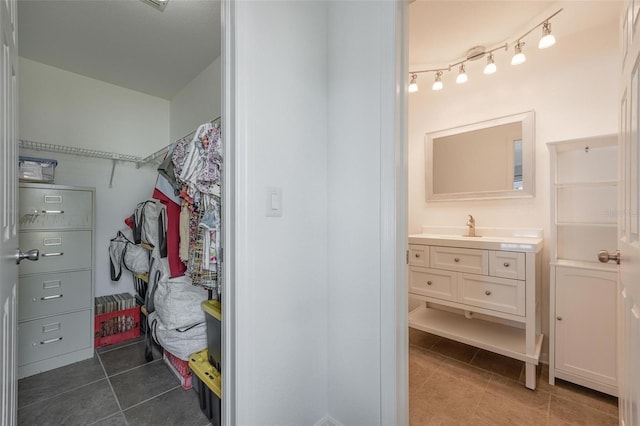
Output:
(451, 383)
(117, 387)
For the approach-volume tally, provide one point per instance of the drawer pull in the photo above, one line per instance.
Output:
(51, 254)
(55, 296)
(456, 260)
(506, 264)
(46, 342)
(488, 292)
(429, 282)
(53, 211)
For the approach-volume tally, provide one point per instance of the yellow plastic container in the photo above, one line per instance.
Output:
(213, 315)
(207, 382)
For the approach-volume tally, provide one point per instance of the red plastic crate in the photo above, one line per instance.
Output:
(116, 327)
(180, 369)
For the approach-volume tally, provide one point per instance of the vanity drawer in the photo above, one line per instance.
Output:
(49, 294)
(433, 283)
(46, 208)
(497, 294)
(460, 259)
(57, 335)
(419, 255)
(507, 264)
(59, 251)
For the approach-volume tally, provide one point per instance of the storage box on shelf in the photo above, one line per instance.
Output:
(213, 315)
(584, 175)
(207, 382)
(481, 291)
(32, 169)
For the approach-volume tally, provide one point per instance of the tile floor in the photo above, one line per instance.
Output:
(451, 383)
(117, 387)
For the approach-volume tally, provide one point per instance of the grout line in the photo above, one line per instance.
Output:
(153, 397)
(40, 401)
(135, 368)
(111, 387)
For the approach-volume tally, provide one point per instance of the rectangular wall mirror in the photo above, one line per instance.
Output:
(490, 159)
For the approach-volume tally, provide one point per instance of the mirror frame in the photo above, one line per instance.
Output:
(528, 159)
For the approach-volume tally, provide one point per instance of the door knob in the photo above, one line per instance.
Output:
(604, 256)
(33, 254)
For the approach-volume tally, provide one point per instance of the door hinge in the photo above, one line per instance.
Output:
(407, 260)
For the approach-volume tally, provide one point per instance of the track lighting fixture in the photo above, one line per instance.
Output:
(478, 52)
(490, 68)
(462, 75)
(437, 85)
(518, 57)
(413, 84)
(547, 39)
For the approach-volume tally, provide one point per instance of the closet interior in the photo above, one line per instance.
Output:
(129, 226)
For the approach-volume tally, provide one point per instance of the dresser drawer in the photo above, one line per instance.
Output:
(57, 335)
(48, 294)
(497, 294)
(460, 259)
(46, 208)
(433, 283)
(507, 264)
(59, 251)
(419, 255)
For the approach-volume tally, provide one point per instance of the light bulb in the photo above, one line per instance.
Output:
(547, 39)
(437, 85)
(462, 75)
(490, 68)
(413, 85)
(519, 57)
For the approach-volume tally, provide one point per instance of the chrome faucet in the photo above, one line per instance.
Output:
(471, 223)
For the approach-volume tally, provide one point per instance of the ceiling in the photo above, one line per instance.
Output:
(124, 42)
(441, 32)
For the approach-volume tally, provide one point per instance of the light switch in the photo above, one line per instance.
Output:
(274, 202)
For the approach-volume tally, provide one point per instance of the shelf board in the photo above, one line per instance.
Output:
(582, 264)
(499, 338)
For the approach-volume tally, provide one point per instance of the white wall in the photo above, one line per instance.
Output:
(573, 89)
(198, 102)
(63, 108)
(281, 283)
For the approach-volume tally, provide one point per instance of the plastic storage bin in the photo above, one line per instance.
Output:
(208, 384)
(179, 368)
(32, 169)
(213, 314)
(116, 327)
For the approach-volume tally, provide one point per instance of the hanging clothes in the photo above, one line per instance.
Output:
(197, 166)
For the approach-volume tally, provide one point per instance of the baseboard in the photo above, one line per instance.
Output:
(328, 421)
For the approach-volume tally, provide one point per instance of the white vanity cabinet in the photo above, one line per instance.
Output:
(583, 308)
(482, 291)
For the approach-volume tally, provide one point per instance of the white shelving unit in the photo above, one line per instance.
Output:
(583, 308)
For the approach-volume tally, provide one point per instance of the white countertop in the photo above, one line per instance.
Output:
(504, 243)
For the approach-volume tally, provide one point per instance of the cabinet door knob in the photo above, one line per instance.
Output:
(429, 282)
(488, 292)
(417, 254)
(559, 318)
(506, 264)
(456, 260)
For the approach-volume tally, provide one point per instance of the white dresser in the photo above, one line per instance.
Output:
(55, 293)
(482, 291)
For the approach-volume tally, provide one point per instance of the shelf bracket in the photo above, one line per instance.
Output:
(113, 169)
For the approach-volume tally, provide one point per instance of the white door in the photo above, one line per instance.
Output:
(629, 221)
(8, 213)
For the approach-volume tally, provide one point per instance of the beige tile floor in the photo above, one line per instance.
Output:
(451, 383)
